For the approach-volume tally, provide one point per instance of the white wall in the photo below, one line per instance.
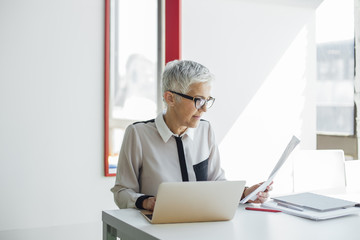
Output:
(263, 56)
(51, 119)
(51, 101)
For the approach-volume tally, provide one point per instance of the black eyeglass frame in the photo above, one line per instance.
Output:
(195, 99)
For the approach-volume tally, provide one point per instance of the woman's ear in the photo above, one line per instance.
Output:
(169, 98)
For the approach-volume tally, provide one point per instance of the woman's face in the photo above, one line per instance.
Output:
(185, 110)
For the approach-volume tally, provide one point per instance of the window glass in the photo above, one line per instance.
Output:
(134, 59)
(335, 67)
(133, 68)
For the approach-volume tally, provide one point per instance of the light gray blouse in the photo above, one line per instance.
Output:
(149, 156)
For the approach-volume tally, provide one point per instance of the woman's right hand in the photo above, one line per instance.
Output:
(149, 203)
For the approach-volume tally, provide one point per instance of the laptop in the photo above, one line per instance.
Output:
(313, 206)
(313, 201)
(179, 202)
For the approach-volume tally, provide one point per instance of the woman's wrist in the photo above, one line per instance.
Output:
(244, 195)
(140, 201)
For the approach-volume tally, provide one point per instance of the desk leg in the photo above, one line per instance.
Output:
(109, 233)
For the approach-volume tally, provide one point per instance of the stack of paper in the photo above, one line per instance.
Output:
(313, 206)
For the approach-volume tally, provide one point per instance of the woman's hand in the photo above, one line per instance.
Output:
(261, 196)
(149, 203)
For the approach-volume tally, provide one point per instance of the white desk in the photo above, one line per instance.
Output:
(129, 224)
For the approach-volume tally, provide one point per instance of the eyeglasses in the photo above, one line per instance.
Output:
(199, 102)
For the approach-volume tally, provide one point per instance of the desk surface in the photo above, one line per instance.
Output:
(130, 224)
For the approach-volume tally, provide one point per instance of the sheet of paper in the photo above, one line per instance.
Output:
(289, 148)
(314, 215)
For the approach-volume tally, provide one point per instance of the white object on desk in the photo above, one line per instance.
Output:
(352, 170)
(318, 169)
(311, 214)
(314, 201)
(313, 206)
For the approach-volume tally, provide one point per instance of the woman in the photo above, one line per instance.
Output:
(176, 146)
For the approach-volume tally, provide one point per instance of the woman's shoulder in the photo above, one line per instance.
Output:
(144, 122)
(204, 126)
(140, 126)
(204, 123)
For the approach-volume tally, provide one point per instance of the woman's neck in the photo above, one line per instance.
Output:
(173, 125)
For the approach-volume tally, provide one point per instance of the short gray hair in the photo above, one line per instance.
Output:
(178, 75)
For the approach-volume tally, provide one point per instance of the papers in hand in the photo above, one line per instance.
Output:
(289, 148)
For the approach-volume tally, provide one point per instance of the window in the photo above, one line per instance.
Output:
(335, 67)
(134, 49)
(335, 75)
(335, 87)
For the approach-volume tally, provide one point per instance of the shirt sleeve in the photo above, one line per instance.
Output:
(127, 187)
(216, 173)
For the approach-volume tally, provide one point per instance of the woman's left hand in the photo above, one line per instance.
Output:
(261, 196)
